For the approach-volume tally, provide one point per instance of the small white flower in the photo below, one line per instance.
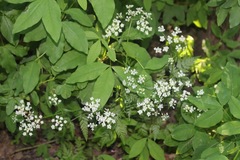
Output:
(161, 29)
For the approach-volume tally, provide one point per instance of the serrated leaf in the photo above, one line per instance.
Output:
(234, 105)
(183, 132)
(94, 52)
(229, 128)
(137, 147)
(104, 12)
(30, 16)
(87, 72)
(79, 16)
(83, 121)
(155, 150)
(30, 75)
(157, 63)
(101, 90)
(75, 36)
(52, 19)
(70, 60)
(83, 4)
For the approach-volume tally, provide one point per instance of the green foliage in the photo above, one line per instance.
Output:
(84, 68)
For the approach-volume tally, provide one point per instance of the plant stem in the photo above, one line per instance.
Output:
(32, 147)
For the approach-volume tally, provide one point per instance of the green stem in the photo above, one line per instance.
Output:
(32, 147)
(40, 56)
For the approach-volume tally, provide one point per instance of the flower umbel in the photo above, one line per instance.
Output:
(27, 119)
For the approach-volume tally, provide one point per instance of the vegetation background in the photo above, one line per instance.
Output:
(55, 55)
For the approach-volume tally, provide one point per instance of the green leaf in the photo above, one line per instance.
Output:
(70, 60)
(105, 157)
(52, 49)
(18, 50)
(87, 72)
(34, 98)
(230, 78)
(101, 90)
(157, 63)
(229, 128)
(83, 121)
(210, 118)
(202, 16)
(112, 54)
(94, 52)
(147, 4)
(10, 106)
(184, 147)
(234, 105)
(64, 90)
(137, 147)
(6, 29)
(52, 19)
(216, 30)
(223, 93)
(145, 154)
(83, 4)
(222, 14)
(36, 34)
(183, 132)
(217, 157)
(75, 36)
(91, 35)
(104, 12)
(138, 53)
(155, 150)
(233, 18)
(30, 16)
(10, 124)
(229, 4)
(18, 1)
(7, 60)
(79, 16)
(214, 3)
(30, 75)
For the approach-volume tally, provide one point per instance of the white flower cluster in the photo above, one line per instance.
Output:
(27, 119)
(54, 100)
(58, 123)
(115, 28)
(200, 93)
(139, 15)
(96, 117)
(191, 109)
(134, 81)
(179, 41)
(142, 23)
